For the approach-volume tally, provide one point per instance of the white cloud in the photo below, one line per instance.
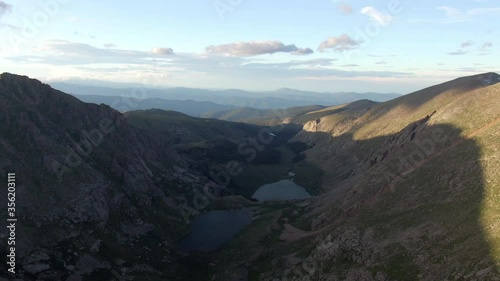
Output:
(62, 52)
(303, 51)
(162, 51)
(455, 15)
(254, 48)
(381, 18)
(339, 44)
(70, 59)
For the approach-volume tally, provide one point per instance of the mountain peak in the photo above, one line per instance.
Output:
(287, 90)
(28, 90)
(7, 78)
(489, 78)
(11, 76)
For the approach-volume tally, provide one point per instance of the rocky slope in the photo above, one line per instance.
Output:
(99, 198)
(410, 193)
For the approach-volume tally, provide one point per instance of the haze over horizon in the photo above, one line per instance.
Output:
(250, 140)
(330, 46)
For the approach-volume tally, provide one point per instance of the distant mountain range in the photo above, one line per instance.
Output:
(190, 107)
(198, 102)
(402, 190)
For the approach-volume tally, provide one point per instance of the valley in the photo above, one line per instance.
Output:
(231, 140)
(400, 190)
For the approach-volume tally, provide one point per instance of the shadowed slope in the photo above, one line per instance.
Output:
(409, 198)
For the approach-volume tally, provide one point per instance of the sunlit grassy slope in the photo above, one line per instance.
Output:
(437, 218)
(454, 191)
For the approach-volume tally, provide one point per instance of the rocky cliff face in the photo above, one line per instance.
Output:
(96, 197)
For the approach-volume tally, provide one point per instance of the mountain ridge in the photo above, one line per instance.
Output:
(402, 184)
(239, 98)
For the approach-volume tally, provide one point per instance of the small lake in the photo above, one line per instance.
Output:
(282, 190)
(212, 230)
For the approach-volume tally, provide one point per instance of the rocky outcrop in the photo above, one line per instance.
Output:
(89, 184)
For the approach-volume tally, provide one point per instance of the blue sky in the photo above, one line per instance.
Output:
(323, 45)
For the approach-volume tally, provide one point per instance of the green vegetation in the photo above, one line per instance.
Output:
(440, 217)
(262, 116)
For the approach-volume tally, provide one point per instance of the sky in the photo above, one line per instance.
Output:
(396, 46)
